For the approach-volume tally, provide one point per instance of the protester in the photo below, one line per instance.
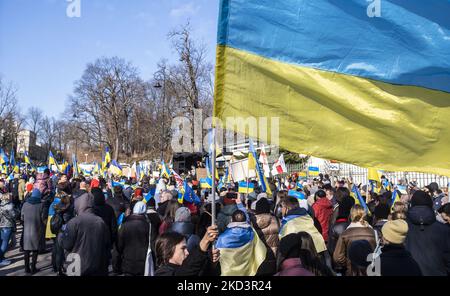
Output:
(427, 239)
(118, 202)
(165, 197)
(64, 211)
(267, 223)
(291, 263)
(395, 260)
(323, 209)
(106, 212)
(183, 225)
(444, 214)
(33, 229)
(381, 215)
(437, 195)
(8, 216)
(88, 236)
(227, 210)
(358, 229)
(133, 241)
(169, 216)
(173, 258)
(296, 219)
(358, 253)
(339, 221)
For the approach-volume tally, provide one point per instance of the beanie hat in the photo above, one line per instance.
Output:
(183, 214)
(395, 231)
(358, 252)
(262, 206)
(421, 198)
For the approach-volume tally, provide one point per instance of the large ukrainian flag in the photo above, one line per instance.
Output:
(370, 91)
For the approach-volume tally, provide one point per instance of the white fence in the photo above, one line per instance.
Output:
(359, 174)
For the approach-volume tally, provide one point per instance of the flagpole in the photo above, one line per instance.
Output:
(213, 177)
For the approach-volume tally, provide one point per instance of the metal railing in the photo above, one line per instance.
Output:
(359, 174)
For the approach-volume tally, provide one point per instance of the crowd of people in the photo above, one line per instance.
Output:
(124, 226)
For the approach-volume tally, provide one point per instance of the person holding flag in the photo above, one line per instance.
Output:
(296, 219)
(242, 252)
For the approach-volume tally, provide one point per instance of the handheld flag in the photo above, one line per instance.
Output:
(262, 179)
(115, 168)
(3, 157)
(187, 194)
(263, 160)
(120, 219)
(395, 198)
(52, 161)
(359, 199)
(246, 187)
(165, 171)
(106, 159)
(27, 159)
(76, 169)
(374, 180)
(279, 167)
(149, 195)
(206, 183)
(313, 171)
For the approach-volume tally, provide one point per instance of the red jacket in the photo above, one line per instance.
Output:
(323, 209)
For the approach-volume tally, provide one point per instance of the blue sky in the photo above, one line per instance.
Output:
(43, 51)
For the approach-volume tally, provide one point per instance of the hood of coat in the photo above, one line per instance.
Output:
(421, 215)
(84, 204)
(263, 220)
(185, 228)
(297, 211)
(229, 209)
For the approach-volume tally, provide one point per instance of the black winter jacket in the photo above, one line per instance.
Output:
(428, 241)
(395, 260)
(132, 244)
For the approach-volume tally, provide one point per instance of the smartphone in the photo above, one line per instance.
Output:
(232, 195)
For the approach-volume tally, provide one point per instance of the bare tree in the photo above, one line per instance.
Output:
(105, 99)
(34, 118)
(10, 119)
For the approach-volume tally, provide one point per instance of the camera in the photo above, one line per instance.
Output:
(232, 195)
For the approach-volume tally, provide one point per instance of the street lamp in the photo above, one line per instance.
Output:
(75, 116)
(158, 86)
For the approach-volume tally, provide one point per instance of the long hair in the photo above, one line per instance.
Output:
(358, 214)
(172, 207)
(309, 257)
(165, 246)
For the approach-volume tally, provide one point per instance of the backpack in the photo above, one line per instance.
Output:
(56, 223)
